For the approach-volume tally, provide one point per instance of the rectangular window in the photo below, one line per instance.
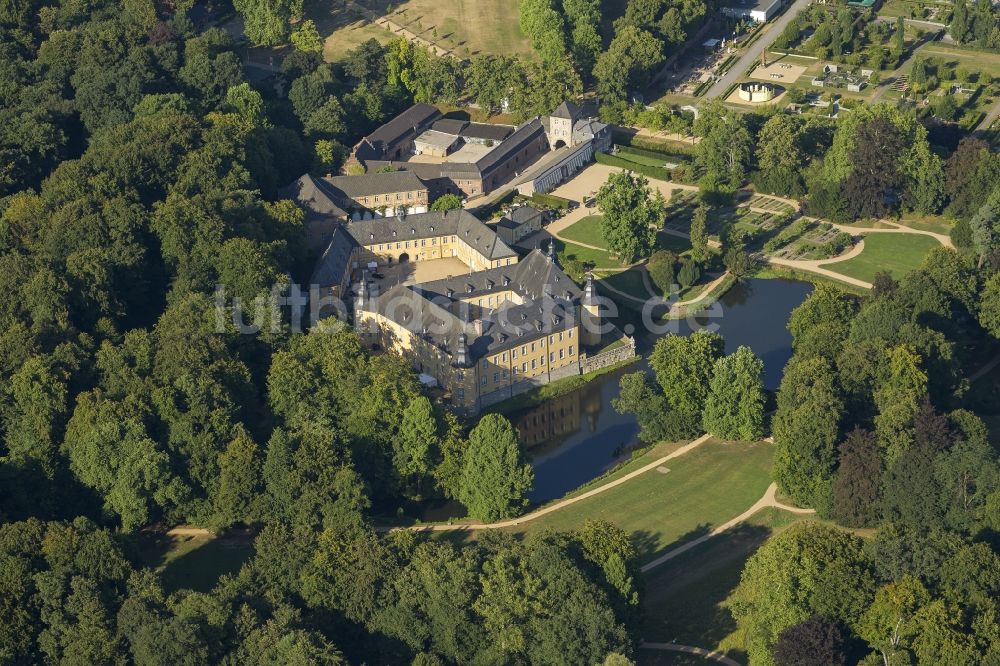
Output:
(551, 339)
(541, 361)
(514, 370)
(484, 363)
(434, 241)
(376, 198)
(561, 354)
(398, 197)
(532, 364)
(552, 356)
(571, 350)
(496, 377)
(532, 346)
(524, 350)
(485, 379)
(423, 242)
(513, 353)
(407, 244)
(571, 334)
(409, 195)
(560, 336)
(505, 374)
(503, 357)
(461, 393)
(524, 367)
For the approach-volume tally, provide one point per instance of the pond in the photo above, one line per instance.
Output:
(576, 437)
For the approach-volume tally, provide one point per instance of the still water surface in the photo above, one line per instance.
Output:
(576, 437)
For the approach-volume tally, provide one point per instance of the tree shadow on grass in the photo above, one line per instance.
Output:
(684, 598)
(200, 569)
(648, 545)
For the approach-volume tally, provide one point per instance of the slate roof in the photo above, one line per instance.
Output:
(406, 125)
(522, 136)
(368, 184)
(567, 110)
(333, 266)
(427, 311)
(485, 131)
(459, 223)
(314, 195)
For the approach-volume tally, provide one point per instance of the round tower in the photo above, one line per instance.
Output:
(590, 314)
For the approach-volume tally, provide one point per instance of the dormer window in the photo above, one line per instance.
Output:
(432, 228)
(371, 236)
(489, 284)
(469, 288)
(394, 233)
(506, 280)
(451, 292)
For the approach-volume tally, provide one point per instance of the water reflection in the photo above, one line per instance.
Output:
(576, 437)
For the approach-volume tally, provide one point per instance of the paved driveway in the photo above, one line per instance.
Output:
(771, 33)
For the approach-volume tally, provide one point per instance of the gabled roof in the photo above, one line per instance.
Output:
(407, 124)
(352, 187)
(427, 311)
(333, 266)
(314, 195)
(460, 223)
(521, 136)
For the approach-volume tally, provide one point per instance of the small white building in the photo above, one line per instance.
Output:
(760, 11)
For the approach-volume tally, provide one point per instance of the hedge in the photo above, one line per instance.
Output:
(550, 200)
(655, 154)
(659, 173)
(650, 143)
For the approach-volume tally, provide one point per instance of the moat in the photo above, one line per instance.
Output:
(578, 436)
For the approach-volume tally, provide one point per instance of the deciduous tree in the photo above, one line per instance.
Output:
(630, 215)
(734, 408)
(495, 478)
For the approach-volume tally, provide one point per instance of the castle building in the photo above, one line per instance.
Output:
(360, 244)
(485, 336)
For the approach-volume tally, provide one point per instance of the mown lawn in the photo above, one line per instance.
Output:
(896, 253)
(703, 488)
(586, 230)
(596, 258)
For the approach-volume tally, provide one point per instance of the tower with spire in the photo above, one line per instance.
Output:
(590, 314)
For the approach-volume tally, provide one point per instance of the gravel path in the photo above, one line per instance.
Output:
(690, 649)
(769, 500)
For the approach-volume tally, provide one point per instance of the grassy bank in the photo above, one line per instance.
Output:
(784, 273)
(666, 507)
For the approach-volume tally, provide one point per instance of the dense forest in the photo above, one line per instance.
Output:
(140, 171)
(139, 179)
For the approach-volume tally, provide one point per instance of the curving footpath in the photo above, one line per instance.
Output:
(690, 649)
(817, 265)
(896, 228)
(769, 500)
(545, 510)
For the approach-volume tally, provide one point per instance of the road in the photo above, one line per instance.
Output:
(771, 33)
(991, 115)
